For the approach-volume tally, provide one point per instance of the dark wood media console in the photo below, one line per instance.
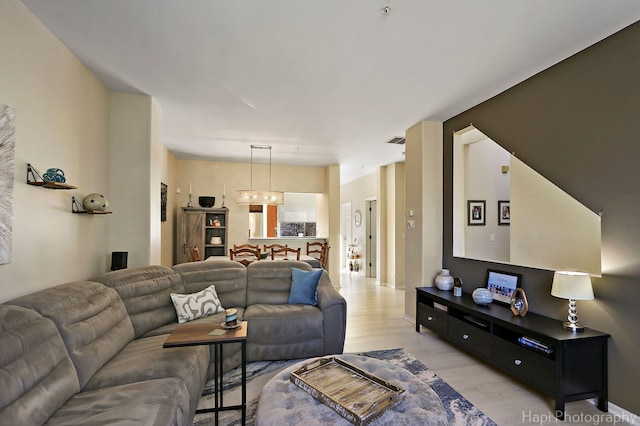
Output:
(534, 349)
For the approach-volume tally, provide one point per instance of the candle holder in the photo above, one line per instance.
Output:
(223, 197)
(190, 203)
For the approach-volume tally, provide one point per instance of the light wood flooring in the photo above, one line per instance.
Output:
(375, 321)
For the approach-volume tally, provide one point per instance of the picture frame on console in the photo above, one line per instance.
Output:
(504, 212)
(476, 212)
(503, 285)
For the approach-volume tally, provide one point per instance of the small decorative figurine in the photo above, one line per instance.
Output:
(457, 286)
(519, 304)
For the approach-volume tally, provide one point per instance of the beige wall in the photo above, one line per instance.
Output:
(357, 192)
(169, 228)
(387, 186)
(210, 177)
(62, 120)
(395, 230)
(130, 175)
(423, 242)
(332, 182)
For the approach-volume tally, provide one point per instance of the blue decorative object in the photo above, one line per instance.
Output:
(54, 175)
(304, 287)
(482, 296)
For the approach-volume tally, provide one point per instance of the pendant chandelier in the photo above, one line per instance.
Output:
(260, 196)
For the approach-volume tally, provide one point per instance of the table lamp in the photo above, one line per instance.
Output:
(573, 286)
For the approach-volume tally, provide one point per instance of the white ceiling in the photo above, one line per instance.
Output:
(323, 82)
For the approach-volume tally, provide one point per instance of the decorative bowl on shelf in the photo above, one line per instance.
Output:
(482, 296)
(54, 175)
(95, 201)
(206, 201)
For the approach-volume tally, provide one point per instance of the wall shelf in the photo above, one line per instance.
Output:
(76, 208)
(32, 179)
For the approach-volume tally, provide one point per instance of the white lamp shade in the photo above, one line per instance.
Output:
(572, 285)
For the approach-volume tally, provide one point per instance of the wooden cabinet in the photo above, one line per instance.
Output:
(534, 349)
(205, 228)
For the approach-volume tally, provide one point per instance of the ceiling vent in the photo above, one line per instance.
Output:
(397, 141)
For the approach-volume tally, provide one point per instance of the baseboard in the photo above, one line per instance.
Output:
(619, 413)
(411, 320)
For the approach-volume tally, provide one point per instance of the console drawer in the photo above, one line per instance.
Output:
(432, 318)
(469, 336)
(524, 363)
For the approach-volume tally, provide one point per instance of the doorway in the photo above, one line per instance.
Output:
(372, 238)
(345, 232)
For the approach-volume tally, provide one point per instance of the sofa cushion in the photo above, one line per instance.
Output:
(304, 286)
(283, 331)
(145, 292)
(270, 282)
(230, 279)
(196, 305)
(91, 319)
(36, 373)
(153, 402)
(146, 359)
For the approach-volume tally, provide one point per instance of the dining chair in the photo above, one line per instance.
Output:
(269, 247)
(246, 246)
(244, 255)
(285, 251)
(324, 257)
(315, 249)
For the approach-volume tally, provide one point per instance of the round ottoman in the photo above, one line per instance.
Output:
(283, 403)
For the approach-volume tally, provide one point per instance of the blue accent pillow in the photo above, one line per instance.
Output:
(304, 287)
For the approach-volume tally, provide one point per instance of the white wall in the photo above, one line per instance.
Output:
(358, 192)
(484, 180)
(62, 119)
(551, 229)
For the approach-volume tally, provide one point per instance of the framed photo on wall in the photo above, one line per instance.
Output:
(504, 212)
(476, 212)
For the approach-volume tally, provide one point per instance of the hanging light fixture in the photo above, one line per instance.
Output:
(259, 196)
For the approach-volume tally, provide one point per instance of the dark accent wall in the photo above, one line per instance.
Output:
(578, 124)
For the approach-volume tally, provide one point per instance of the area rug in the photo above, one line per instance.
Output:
(459, 410)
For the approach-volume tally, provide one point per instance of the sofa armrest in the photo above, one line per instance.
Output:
(334, 315)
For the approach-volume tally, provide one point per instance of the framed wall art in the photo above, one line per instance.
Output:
(504, 212)
(7, 154)
(163, 202)
(476, 212)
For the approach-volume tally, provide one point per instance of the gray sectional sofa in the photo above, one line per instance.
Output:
(90, 352)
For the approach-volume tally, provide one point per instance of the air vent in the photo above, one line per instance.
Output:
(397, 141)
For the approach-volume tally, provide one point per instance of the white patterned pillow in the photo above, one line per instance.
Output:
(196, 305)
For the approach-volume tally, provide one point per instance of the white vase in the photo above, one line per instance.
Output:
(444, 281)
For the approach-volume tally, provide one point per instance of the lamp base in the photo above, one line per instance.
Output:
(573, 326)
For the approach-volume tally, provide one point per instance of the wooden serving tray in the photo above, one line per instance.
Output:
(356, 395)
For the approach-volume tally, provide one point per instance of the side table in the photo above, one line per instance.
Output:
(192, 334)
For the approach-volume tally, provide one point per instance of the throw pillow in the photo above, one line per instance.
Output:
(304, 286)
(196, 305)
